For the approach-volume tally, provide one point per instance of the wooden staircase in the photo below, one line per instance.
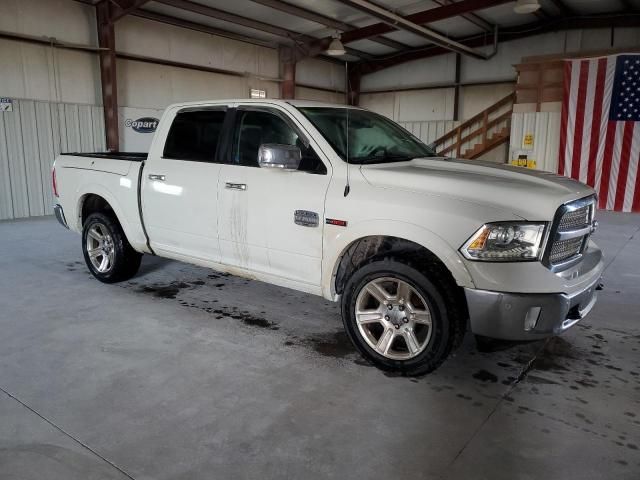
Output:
(480, 134)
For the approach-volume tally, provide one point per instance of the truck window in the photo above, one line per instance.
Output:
(253, 128)
(194, 136)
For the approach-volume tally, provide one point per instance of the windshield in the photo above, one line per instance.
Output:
(372, 137)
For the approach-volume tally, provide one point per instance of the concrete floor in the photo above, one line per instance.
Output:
(184, 373)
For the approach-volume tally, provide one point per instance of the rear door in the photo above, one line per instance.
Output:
(258, 229)
(179, 185)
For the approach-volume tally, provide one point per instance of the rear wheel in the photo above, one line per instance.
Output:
(107, 253)
(398, 318)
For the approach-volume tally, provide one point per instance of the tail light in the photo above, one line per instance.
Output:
(54, 184)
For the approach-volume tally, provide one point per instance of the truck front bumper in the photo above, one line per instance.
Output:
(531, 316)
(59, 213)
(527, 316)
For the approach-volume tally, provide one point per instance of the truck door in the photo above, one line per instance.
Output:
(179, 186)
(258, 226)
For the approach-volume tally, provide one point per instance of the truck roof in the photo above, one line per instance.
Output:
(274, 101)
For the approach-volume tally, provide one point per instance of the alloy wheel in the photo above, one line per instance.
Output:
(393, 318)
(100, 248)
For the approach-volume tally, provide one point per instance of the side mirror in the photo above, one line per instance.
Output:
(272, 155)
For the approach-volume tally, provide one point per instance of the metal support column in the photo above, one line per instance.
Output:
(456, 93)
(106, 40)
(288, 72)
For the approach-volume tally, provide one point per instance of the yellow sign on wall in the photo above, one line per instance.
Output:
(527, 141)
(523, 161)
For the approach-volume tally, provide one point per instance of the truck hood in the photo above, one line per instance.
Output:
(529, 194)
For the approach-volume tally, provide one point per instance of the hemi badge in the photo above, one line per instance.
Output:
(305, 218)
(334, 221)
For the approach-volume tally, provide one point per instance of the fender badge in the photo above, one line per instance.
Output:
(305, 218)
(334, 221)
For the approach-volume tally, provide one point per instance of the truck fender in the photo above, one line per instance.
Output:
(96, 189)
(338, 239)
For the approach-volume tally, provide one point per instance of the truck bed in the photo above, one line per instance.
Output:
(128, 156)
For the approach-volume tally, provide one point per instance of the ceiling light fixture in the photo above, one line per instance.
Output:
(526, 6)
(336, 48)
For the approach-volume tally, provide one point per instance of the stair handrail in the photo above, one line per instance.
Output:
(486, 124)
(482, 130)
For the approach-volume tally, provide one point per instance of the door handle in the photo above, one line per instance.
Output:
(235, 186)
(156, 177)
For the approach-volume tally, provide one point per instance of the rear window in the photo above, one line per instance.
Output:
(194, 136)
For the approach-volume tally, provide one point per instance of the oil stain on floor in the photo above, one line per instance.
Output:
(173, 289)
(332, 344)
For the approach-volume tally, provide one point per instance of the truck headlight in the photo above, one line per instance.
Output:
(506, 242)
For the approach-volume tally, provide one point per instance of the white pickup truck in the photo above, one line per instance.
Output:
(343, 203)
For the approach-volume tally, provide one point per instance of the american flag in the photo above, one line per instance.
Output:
(600, 129)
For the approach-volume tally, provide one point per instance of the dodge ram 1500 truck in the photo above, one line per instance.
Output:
(341, 202)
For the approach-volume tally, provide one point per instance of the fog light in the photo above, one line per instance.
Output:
(531, 319)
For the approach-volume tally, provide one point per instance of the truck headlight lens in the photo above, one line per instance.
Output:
(505, 242)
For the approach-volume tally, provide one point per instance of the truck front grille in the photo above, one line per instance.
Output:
(565, 249)
(570, 233)
(575, 219)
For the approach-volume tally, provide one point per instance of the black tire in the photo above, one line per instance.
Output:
(437, 289)
(126, 261)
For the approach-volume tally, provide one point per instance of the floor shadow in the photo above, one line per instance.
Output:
(151, 263)
(490, 345)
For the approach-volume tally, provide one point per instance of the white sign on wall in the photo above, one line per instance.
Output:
(6, 105)
(137, 128)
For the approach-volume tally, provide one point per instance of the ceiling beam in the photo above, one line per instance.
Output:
(207, 11)
(304, 13)
(121, 8)
(198, 27)
(324, 20)
(512, 33)
(297, 38)
(396, 21)
(477, 20)
(423, 17)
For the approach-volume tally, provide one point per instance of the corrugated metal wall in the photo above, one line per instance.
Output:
(429, 131)
(545, 128)
(30, 138)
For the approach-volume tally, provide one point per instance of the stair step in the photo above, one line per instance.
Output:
(490, 145)
(501, 134)
(473, 150)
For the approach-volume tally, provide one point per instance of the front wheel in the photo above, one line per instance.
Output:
(107, 251)
(398, 318)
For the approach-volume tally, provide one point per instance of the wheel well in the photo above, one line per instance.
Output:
(365, 249)
(378, 247)
(93, 203)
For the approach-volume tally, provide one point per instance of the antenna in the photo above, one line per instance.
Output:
(347, 187)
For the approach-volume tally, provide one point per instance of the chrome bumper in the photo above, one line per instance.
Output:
(59, 213)
(527, 316)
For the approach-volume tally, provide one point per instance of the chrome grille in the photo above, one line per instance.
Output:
(570, 233)
(576, 219)
(565, 249)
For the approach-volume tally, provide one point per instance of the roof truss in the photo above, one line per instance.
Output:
(417, 23)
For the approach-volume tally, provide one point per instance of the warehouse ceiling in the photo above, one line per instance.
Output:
(376, 40)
